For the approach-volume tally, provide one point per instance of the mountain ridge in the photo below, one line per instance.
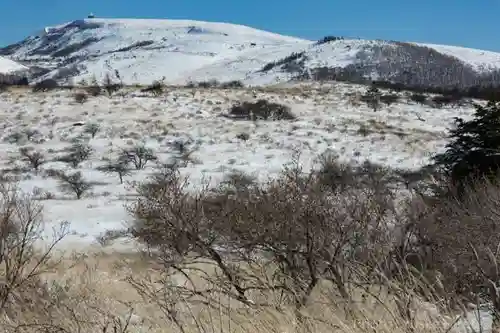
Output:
(144, 50)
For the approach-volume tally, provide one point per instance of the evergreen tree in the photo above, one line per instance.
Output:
(474, 150)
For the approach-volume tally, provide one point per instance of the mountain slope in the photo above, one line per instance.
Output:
(407, 63)
(8, 66)
(183, 50)
(480, 60)
(141, 50)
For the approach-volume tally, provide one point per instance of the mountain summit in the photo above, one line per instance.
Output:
(183, 50)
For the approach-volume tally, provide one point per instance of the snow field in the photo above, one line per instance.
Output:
(402, 135)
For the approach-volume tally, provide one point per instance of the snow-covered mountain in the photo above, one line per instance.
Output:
(183, 50)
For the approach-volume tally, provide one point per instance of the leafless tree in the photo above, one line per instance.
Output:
(119, 167)
(92, 129)
(74, 183)
(138, 155)
(33, 158)
(77, 153)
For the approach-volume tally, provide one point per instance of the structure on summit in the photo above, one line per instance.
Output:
(91, 16)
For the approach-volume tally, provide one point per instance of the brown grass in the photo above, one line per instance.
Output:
(96, 288)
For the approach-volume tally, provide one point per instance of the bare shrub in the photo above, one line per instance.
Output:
(454, 236)
(119, 167)
(333, 174)
(418, 98)
(51, 173)
(21, 225)
(78, 153)
(270, 247)
(446, 100)
(110, 235)
(80, 97)
(33, 158)
(109, 86)
(208, 84)
(461, 235)
(261, 109)
(156, 88)
(372, 98)
(309, 232)
(172, 223)
(389, 99)
(237, 182)
(31, 300)
(93, 89)
(74, 183)
(243, 136)
(182, 152)
(31, 133)
(16, 137)
(232, 84)
(138, 155)
(305, 234)
(92, 129)
(45, 85)
(31, 303)
(336, 176)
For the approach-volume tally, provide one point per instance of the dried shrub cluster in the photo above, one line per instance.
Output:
(297, 232)
(22, 290)
(342, 226)
(274, 247)
(261, 109)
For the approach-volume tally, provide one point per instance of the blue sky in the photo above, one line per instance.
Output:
(457, 22)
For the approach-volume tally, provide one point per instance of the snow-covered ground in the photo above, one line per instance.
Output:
(8, 66)
(401, 135)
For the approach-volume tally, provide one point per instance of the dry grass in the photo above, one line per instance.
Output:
(95, 293)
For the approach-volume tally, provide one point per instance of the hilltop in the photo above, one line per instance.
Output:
(143, 50)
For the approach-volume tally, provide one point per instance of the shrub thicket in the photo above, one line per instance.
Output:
(261, 109)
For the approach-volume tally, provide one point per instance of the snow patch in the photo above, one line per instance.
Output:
(8, 66)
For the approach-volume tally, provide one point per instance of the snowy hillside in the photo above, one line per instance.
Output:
(183, 50)
(8, 66)
(142, 50)
(402, 135)
(480, 60)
